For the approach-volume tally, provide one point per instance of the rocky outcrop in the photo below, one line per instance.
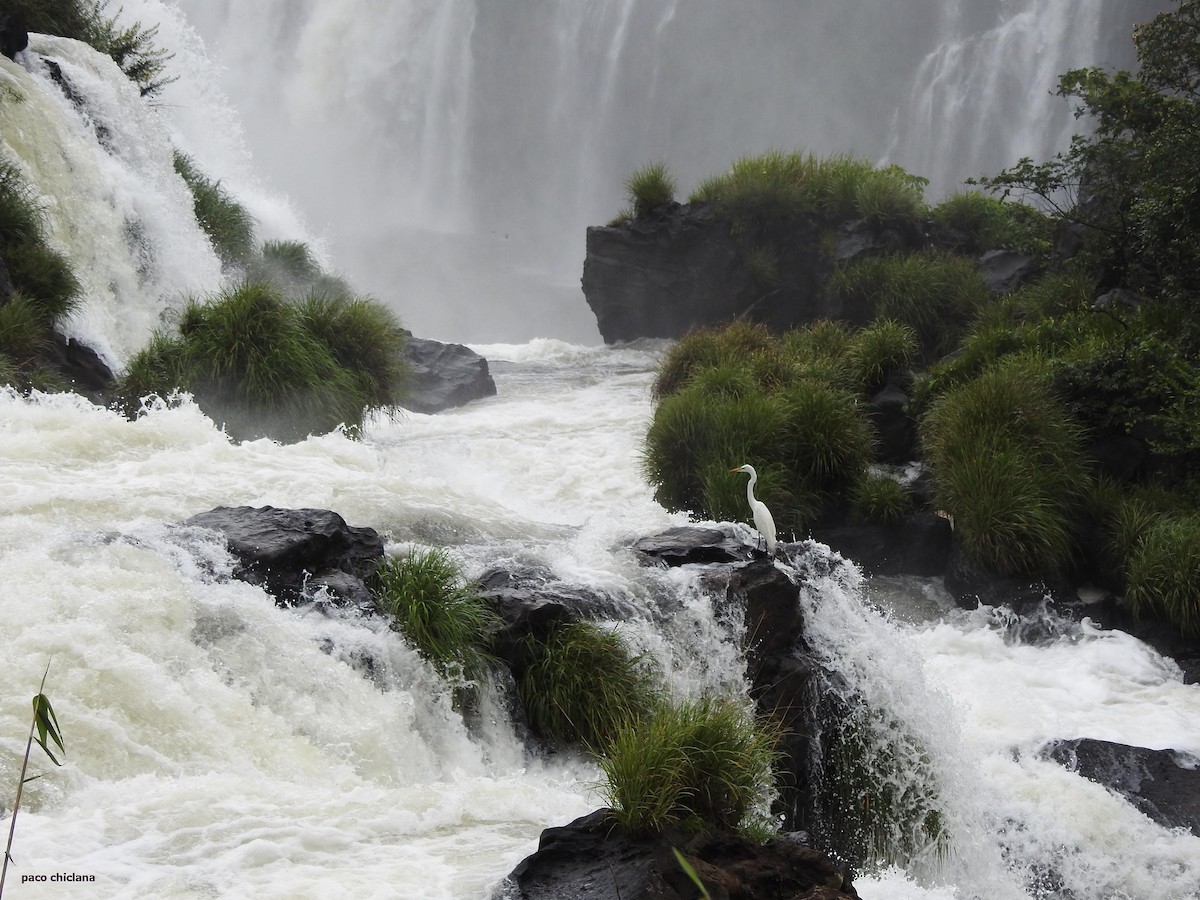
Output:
(590, 858)
(444, 376)
(1163, 784)
(295, 553)
(683, 267)
(14, 35)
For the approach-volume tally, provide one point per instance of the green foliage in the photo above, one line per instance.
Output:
(266, 367)
(43, 730)
(582, 684)
(775, 185)
(701, 765)
(132, 48)
(365, 339)
(650, 188)
(880, 801)
(932, 292)
(64, 18)
(227, 223)
(790, 406)
(881, 499)
(23, 333)
(448, 622)
(1163, 572)
(972, 222)
(1131, 180)
(1008, 467)
(879, 350)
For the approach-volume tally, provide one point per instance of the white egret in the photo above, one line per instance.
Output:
(762, 516)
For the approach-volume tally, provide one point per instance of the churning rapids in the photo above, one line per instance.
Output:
(221, 747)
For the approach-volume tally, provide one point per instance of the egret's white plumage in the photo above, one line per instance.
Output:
(762, 516)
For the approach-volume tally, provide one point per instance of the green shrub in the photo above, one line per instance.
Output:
(934, 293)
(703, 765)
(880, 499)
(890, 195)
(1008, 467)
(879, 350)
(365, 339)
(132, 48)
(582, 684)
(976, 222)
(707, 347)
(649, 188)
(1163, 572)
(827, 440)
(252, 361)
(448, 622)
(23, 331)
(289, 265)
(227, 223)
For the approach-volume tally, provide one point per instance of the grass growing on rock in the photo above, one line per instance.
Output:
(434, 607)
(696, 764)
(263, 366)
(583, 684)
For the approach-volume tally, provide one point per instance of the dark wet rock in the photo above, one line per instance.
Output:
(1006, 270)
(14, 34)
(444, 376)
(691, 545)
(972, 584)
(531, 600)
(1163, 784)
(82, 366)
(894, 427)
(919, 545)
(292, 553)
(591, 858)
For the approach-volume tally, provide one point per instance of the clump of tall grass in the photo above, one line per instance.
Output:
(699, 765)
(439, 613)
(650, 188)
(267, 367)
(227, 223)
(881, 499)
(974, 222)
(934, 293)
(735, 343)
(776, 185)
(880, 350)
(582, 684)
(1008, 466)
(1162, 571)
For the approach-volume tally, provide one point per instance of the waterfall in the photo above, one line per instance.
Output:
(101, 166)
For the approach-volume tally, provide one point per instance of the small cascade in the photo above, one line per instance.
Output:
(101, 164)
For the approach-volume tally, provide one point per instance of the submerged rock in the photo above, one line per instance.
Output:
(1163, 784)
(294, 553)
(594, 859)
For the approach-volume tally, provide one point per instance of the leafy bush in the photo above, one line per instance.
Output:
(227, 223)
(934, 293)
(881, 499)
(365, 339)
(582, 685)
(701, 765)
(132, 48)
(774, 185)
(265, 367)
(649, 188)
(879, 350)
(972, 222)
(448, 622)
(1163, 572)
(1008, 467)
(704, 348)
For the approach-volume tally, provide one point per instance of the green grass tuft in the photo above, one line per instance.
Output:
(650, 188)
(582, 684)
(448, 622)
(701, 765)
(881, 499)
(227, 223)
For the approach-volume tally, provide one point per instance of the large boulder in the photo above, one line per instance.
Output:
(1163, 784)
(591, 858)
(444, 376)
(298, 554)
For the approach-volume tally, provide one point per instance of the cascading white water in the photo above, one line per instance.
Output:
(114, 205)
(220, 747)
(514, 125)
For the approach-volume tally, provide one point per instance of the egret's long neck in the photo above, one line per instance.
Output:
(750, 487)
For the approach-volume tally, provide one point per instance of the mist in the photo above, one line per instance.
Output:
(448, 155)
